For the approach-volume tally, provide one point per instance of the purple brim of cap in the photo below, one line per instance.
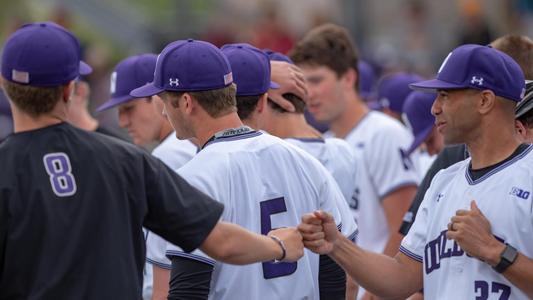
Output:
(146, 90)
(433, 85)
(114, 102)
(274, 85)
(85, 69)
(419, 139)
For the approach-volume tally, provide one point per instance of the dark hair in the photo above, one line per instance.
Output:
(216, 103)
(328, 45)
(33, 100)
(297, 102)
(520, 48)
(246, 105)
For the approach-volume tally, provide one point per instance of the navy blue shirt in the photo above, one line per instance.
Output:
(72, 207)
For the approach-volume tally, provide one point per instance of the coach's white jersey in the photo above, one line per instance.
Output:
(339, 159)
(382, 168)
(504, 196)
(264, 183)
(174, 153)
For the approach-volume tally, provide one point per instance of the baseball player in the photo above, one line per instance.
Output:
(520, 48)
(264, 182)
(386, 180)
(146, 125)
(337, 156)
(472, 236)
(73, 202)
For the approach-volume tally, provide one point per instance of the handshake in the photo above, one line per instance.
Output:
(317, 232)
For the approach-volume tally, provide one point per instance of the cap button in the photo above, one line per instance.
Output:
(190, 40)
(42, 25)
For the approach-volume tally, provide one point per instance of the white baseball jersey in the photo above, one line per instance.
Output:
(174, 153)
(264, 183)
(382, 169)
(339, 159)
(504, 196)
(422, 161)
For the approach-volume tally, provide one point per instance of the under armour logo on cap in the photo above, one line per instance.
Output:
(475, 80)
(174, 81)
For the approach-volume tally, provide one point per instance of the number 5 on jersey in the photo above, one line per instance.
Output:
(58, 167)
(268, 208)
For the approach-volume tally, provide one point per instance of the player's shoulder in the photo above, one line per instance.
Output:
(445, 175)
(173, 147)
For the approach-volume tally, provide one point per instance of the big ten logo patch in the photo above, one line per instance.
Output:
(520, 193)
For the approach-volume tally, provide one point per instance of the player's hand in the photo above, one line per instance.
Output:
(291, 80)
(319, 232)
(292, 239)
(472, 231)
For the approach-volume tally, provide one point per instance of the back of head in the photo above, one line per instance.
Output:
(327, 45)
(251, 73)
(37, 61)
(197, 68)
(297, 102)
(520, 48)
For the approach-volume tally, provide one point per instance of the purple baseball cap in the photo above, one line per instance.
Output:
(417, 116)
(478, 67)
(129, 74)
(42, 54)
(393, 89)
(276, 56)
(251, 69)
(187, 66)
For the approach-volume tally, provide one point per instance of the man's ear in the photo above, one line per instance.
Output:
(189, 103)
(68, 91)
(262, 103)
(520, 129)
(486, 102)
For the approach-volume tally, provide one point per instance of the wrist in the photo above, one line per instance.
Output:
(494, 253)
(281, 248)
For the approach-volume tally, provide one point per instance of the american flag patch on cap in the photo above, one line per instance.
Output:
(228, 78)
(20, 76)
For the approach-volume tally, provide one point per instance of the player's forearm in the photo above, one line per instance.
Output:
(381, 275)
(232, 244)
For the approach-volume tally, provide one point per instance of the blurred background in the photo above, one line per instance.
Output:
(407, 35)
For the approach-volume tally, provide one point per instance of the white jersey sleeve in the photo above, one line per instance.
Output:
(388, 167)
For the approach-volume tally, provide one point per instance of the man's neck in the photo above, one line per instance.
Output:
(24, 122)
(350, 117)
(208, 128)
(292, 125)
(493, 147)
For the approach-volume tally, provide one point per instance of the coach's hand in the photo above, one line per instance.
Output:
(472, 231)
(292, 241)
(319, 232)
(291, 80)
